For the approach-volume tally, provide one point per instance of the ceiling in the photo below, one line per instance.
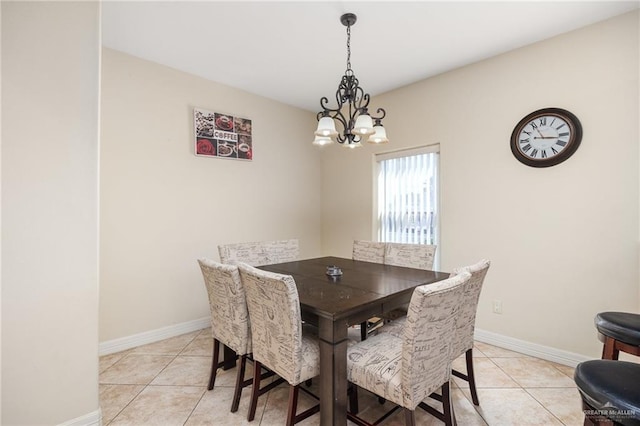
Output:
(295, 52)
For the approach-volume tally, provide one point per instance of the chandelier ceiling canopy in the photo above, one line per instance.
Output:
(351, 112)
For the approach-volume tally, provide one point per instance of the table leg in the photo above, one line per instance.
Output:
(333, 372)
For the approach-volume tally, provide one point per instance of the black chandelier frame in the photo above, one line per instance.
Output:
(351, 94)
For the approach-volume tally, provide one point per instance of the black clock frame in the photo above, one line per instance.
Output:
(572, 144)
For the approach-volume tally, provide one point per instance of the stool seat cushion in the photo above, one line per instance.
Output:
(611, 386)
(622, 326)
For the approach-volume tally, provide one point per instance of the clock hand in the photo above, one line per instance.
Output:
(545, 137)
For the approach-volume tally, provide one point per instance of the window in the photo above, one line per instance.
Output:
(408, 196)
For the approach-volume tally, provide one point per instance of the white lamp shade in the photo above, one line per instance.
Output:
(363, 126)
(352, 145)
(322, 140)
(380, 135)
(326, 127)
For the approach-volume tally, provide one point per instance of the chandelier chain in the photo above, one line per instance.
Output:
(349, 49)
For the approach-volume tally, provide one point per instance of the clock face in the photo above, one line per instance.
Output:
(546, 137)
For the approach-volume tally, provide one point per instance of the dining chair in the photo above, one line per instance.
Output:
(619, 331)
(229, 319)
(418, 256)
(278, 339)
(260, 252)
(368, 251)
(465, 323)
(406, 370)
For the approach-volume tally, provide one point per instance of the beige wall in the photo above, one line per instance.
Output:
(162, 207)
(50, 71)
(563, 241)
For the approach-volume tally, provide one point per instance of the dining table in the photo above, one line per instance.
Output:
(337, 301)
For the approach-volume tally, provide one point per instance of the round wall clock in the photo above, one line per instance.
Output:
(546, 137)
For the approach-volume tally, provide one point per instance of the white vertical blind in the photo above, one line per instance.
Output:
(408, 196)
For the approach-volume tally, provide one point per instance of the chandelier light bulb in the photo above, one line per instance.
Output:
(380, 135)
(322, 140)
(326, 127)
(363, 126)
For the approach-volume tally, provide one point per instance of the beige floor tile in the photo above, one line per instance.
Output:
(566, 370)
(510, 407)
(496, 352)
(171, 346)
(533, 372)
(135, 369)
(477, 353)
(488, 374)
(107, 361)
(275, 411)
(202, 345)
(185, 371)
(213, 408)
(564, 403)
(161, 405)
(113, 398)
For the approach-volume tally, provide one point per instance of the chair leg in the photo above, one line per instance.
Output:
(255, 390)
(609, 350)
(214, 363)
(353, 399)
(472, 377)
(239, 380)
(363, 330)
(409, 417)
(293, 405)
(447, 406)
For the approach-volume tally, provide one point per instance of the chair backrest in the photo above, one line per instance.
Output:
(419, 256)
(428, 337)
(368, 251)
(260, 252)
(228, 304)
(276, 323)
(466, 323)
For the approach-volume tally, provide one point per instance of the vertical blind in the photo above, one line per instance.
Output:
(408, 196)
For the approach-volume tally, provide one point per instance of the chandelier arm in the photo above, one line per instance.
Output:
(380, 118)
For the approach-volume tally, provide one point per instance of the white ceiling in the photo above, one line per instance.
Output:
(295, 52)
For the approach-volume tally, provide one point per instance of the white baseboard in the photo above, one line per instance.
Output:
(539, 351)
(92, 419)
(124, 343)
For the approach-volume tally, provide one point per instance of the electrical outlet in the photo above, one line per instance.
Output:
(497, 306)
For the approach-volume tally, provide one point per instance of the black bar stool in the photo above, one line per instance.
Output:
(610, 392)
(619, 331)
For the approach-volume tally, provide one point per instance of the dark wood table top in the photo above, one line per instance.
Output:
(361, 284)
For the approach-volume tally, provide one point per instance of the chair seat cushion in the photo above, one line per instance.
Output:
(375, 365)
(611, 386)
(310, 367)
(622, 326)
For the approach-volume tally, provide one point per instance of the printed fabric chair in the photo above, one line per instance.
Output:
(368, 251)
(406, 370)
(260, 253)
(229, 319)
(418, 256)
(465, 326)
(278, 340)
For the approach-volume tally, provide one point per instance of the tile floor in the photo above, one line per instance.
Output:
(164, 383)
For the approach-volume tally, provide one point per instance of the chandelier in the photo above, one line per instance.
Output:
(351, 111)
